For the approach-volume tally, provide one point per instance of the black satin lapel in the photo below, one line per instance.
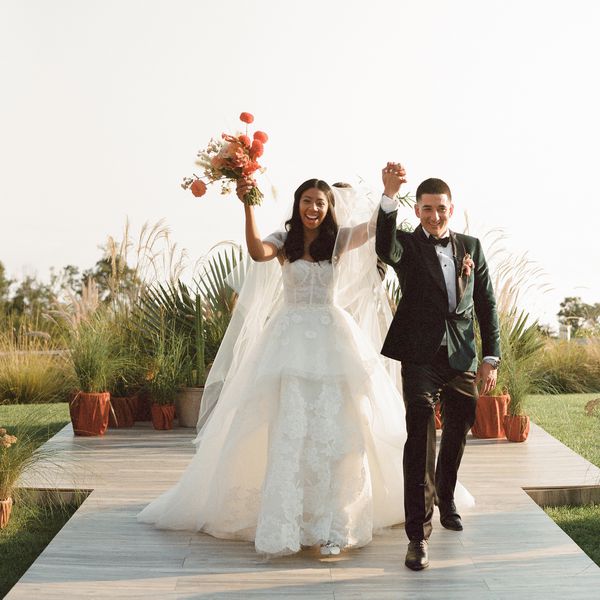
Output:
(459, 254)
(431, 259)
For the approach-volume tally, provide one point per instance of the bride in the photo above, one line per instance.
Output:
(302, 425)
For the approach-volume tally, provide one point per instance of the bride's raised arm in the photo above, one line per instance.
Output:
(257, 249)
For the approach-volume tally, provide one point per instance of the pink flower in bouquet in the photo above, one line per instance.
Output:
(246, 117)
(250, 168)
(245, 140)
(257, 149)
(261, 136)
(198, 188)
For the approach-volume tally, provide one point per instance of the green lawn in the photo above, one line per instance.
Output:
(564, 417)
(29, 531)
(582, 525)
(31, 527)
(41, 420)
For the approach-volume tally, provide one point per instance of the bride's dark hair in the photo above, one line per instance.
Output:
(322, 247)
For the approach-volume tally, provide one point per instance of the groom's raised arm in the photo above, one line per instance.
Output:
(387, 245)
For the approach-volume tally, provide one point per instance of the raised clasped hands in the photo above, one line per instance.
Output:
(393, 176)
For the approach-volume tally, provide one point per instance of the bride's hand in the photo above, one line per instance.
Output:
(243, 187)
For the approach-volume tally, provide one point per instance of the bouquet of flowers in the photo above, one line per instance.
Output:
(228, 160)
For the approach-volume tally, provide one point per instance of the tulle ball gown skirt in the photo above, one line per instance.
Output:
(304, 445)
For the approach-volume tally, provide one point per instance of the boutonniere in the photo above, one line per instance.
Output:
(467, 265)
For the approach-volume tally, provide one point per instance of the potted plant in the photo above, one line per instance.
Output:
(490, 413)
(501, 414)
(187, 401)
(492, 407)
(169, 367)
(125, 388)
(524, 343)
(96, 363)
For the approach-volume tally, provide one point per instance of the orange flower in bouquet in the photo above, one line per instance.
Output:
(229, 160)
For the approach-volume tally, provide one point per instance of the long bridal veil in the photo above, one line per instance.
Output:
(359, 291)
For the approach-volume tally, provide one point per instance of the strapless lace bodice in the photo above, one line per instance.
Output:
(308, 283)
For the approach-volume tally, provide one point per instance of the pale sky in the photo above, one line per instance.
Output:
(105, 103)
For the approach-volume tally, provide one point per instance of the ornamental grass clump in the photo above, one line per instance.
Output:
(569, 367)
(94, 354)
(32, 369)
(169, 368)
(21, 453)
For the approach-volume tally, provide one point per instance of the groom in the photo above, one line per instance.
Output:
(445, 282)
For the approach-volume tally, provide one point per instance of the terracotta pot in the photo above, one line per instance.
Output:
(162, 416)
(143, 412)
(123, 411)
(89, 413)
(5, 510)
(489, 417)
(187, 406)
(516, 427)
(438, 415)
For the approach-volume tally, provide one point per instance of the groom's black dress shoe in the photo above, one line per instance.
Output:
(416, 556)
(449, 518)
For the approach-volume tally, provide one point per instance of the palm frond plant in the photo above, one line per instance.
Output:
(217, 297)
(200, 315)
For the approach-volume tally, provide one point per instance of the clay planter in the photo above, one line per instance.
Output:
(187, 406)
(489, 417)
(5, 510)
(162, 416)
(516, 427)
(123, 411)
(143, 412)
(438, 416)
(89, 413)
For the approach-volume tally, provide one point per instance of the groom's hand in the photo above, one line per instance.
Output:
(486, 378)
(393, 176)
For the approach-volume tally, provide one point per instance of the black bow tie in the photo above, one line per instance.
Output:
(439, 241)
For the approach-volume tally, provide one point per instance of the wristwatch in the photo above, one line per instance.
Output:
(492, 360)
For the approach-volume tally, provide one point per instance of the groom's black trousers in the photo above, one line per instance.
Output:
(423, 385)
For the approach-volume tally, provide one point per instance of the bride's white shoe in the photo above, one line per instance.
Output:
(330, 549)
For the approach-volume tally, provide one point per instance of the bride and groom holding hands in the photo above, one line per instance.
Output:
(305, 438)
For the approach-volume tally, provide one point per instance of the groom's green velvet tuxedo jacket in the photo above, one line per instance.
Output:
(422, 316)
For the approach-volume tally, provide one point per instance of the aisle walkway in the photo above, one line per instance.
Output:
(509, 549)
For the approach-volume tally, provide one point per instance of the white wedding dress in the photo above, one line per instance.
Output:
(313, 452)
